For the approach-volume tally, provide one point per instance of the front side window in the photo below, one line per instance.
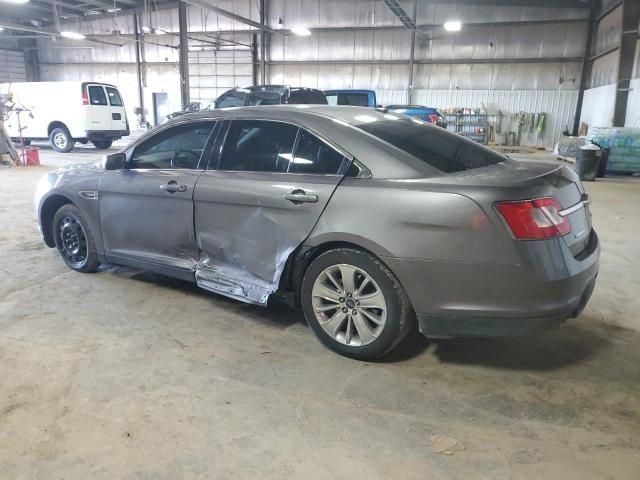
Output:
(332, 99)
(231, 99)
(432, 145)
(114, 97)
(96, 95)
(177, 147)
(264, 98)
(258, 146)
(313, 156)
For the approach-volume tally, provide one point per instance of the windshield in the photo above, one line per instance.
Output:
(432, 145)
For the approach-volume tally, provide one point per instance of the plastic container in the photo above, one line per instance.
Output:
(588, 162)
(33, 157)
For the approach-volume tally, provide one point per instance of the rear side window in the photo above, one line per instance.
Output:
(432, 145)
(96, 95)
(177, 147)
(114, 97)
(258, 146)
(313, 156)
(307, 96)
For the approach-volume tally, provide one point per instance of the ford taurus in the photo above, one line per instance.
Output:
(370, 222)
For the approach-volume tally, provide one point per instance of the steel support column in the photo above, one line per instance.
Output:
(254, 59)
(412, 54)
(138, 46)
(628, 40)
(183, 57)
(263, 43)
(586, 62)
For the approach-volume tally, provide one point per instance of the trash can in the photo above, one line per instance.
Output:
(33, 157)
(587, 162)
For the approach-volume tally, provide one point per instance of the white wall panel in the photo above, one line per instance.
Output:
(560, 106)
(12, 67)
(633, 105)
(598, 105)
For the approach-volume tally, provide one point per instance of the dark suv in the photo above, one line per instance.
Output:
(270, 95)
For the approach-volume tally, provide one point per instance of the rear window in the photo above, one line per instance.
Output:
(354, 99)
(96, 95)
(312, 97)
(433, 145)
(114, 97)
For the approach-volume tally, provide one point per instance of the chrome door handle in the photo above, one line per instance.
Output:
(173, 187)
(298, 198)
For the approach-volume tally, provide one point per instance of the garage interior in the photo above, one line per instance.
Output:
(130, 374)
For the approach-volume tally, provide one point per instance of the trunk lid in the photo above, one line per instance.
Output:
(527, 179)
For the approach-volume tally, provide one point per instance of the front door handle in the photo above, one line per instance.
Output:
(298, 197)
(173, 187)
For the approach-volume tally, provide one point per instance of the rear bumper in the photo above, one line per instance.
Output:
(475, 299)
(106, 134)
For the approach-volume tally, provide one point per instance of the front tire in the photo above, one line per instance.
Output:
(73, 240)
(354, 304)
(61, 140)
(102, 144)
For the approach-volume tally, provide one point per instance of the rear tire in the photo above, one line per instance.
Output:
(355, 304)
(73, 240)
(61, 140)
(102, 144)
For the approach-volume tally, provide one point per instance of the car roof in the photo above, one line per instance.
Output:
(333, 123)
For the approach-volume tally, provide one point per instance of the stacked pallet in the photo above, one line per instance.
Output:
(624, 144)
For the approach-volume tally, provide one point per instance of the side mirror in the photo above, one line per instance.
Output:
(115, 161)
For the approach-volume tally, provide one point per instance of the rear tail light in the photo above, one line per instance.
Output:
(85, 98)
(534, 219)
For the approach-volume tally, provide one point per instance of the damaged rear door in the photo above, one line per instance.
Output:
(267, 184)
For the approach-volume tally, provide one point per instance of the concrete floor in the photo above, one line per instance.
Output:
(126, 374)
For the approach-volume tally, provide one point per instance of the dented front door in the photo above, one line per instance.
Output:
(146, 209)
(248, 221)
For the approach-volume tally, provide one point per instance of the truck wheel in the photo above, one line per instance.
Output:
(61, 140)
(102, 144)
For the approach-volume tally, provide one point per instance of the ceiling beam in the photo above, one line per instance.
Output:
(234, 16)
(399, 12)
(521, 3)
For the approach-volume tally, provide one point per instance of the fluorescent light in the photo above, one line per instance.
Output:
(1, 29)
(16, 1)
(73, 35)
(301, 31)
(452, 26)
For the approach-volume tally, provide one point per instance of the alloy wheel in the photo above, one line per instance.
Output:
(349, 305)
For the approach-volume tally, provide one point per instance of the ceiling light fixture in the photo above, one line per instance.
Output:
(72, 35)
(16, 1)
(453, 26)
(301, 31)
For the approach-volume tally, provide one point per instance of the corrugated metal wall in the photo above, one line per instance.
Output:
(559, 105)
(358, 57)
(633, 105)
(12, 67)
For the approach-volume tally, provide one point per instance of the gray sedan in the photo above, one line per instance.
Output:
(370, 222)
